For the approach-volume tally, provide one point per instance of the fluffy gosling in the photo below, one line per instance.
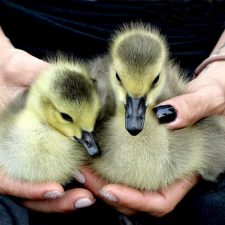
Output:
(142, 76)
(40, 129)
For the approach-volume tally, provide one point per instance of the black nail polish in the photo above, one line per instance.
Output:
(165, 113)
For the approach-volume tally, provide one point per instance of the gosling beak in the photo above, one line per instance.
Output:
(89, 143)
(135, 115)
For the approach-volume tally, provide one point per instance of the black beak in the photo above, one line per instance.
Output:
(89, 143)
(135, 115)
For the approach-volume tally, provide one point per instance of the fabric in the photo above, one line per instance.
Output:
(83, 28)
(12, 213)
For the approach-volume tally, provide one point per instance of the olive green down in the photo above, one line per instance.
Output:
(36, 143)
(157, 156)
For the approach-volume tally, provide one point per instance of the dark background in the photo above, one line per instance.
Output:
(83, 28)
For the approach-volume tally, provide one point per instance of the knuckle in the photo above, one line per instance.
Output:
(13, 63)
(162, 208)
(167, 209)
(161, 212)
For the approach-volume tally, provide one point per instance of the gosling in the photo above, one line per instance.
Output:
(136, 150)
(45, 131)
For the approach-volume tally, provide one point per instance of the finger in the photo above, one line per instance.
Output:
(29, 190)
(95, 183)
(191, 107)
(155, 203)
(92, 181)
(72, 200)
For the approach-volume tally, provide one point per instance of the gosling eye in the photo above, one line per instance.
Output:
(155, 81)
(117, 77)
(94, 81)
(66, 117)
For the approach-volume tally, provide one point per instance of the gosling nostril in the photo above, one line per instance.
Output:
(134, 131)
(89, 145)
(141, 117)
(96, 154)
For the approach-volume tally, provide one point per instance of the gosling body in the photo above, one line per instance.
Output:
(40, 128)
(156, 156)
(99, 69)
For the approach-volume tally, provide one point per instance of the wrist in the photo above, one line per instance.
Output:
(213, 76)
(214, 59)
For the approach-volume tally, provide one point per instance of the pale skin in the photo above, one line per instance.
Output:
(204, 96)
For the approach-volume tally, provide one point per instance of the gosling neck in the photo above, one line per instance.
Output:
(34, 103)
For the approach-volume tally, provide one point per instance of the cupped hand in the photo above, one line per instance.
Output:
(46, 197)
(204, 96)
(18, 70)
(129, 200)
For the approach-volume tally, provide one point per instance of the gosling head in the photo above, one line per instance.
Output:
(65, 97)
(138, 55)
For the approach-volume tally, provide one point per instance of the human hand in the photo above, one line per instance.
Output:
(204, 96)
(129, 200)
(18, 69)
(46, 197)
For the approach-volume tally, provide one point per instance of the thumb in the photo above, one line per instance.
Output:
(191, 107)
(29, 68)
(29, 190)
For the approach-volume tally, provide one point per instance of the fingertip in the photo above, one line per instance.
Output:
(181, 111)
(79, 176)
(72, 200)
(83, 202)
(165, 113)
(116, 192)
(124, 196)
(92, 180)
(81, 197)
(52, 195)
(108, 195)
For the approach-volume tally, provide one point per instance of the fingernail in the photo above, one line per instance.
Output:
(165, 113)
(53, 195)
(108, 195)
(83, 202)
(79, 177)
